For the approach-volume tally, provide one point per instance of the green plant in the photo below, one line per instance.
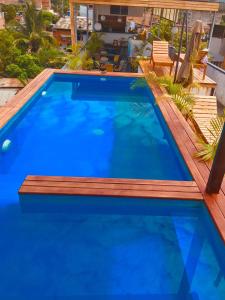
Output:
(161, 30)
(206, 150)
(81, 61)
(94, 44)
(51, 57)
(183, 99)
(33, 31)
(14, 70)
(9, 12)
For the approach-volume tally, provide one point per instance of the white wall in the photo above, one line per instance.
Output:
(219, 78)
(215, 47)
(109, 37)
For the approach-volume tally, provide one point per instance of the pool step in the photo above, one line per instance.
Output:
(109, 187)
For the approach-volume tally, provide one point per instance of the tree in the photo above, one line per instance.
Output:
(9, 12)
(50, 57)
(60, 6)
(33, 31)
(8, 49)
(25, 49)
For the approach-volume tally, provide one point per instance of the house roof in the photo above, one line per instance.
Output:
(64, 23)
(177, 4)
(6, 94)
(10, 83)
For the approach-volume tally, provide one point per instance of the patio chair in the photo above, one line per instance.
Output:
(109, 67)
(160, 55)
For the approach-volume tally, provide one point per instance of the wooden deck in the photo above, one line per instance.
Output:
(162, 71)
(184, 137)
(177, 4)
(108, 187)
(204, 111)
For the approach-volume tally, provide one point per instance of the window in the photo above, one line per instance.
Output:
(119, 10)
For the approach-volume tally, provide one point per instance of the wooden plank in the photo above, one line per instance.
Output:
(23, 96)
(105, 187)
(111, 180)
(97, 73)
(108, 186)
(204, 111)
(169, 4)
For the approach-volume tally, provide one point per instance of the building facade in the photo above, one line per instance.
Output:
(40, 4)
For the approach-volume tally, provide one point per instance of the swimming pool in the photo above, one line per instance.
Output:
(101, 248)
(136, 249)
(90, 126)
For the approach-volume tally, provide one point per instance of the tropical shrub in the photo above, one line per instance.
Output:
(94, 44)
(207, 151)
(81, 61)
(183, 99)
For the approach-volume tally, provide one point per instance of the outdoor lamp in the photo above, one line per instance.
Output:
(98, 26)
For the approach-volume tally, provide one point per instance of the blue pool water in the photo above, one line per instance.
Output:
(90, 126)
(101, 248)
(111, 249)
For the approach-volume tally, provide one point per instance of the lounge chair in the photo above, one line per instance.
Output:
(160, 55)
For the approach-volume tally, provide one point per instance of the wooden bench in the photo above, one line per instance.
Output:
(109, 187)
(160, 55)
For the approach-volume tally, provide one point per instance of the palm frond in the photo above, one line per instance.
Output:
(207, 151)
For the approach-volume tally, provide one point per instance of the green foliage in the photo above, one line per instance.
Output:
(95, 43)
(50, 57)
(161, 30)
(207, 151)
(9, 12)
(8, 50)
(29, 64)
(14, 70)
(181, 97)
(48, 18)
(60, 6)
(81, 61)
(25, 49)
(33, 31)
(25, 66)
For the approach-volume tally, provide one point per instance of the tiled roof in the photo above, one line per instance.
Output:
(10, 83)
(6, 94)
(64, 23)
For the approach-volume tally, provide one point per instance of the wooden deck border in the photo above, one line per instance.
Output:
(183, 135)
(187, 143)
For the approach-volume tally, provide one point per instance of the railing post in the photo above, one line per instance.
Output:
(211, 29)
(218, 168)
(180, 45)
(73, 23)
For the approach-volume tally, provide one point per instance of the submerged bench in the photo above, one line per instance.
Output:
(109, 187)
